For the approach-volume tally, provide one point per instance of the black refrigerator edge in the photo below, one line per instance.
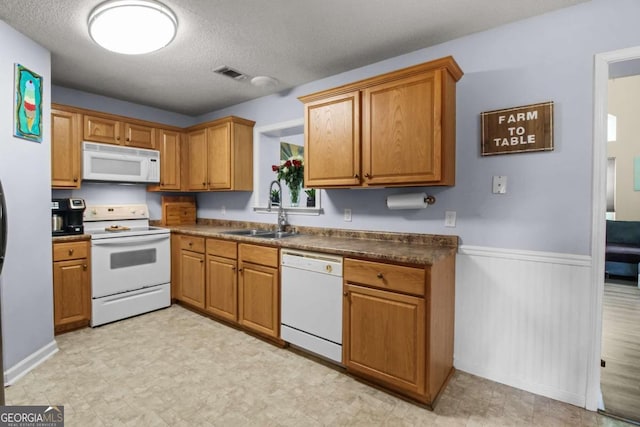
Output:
(3, 247)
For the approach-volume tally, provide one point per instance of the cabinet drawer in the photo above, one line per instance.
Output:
(70, 250)
(223, 248)
(262, 255)
(399, 278)
(190, 243)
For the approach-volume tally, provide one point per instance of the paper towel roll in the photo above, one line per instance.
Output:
(407, 201)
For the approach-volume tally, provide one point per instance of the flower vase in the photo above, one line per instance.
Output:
(295, 194)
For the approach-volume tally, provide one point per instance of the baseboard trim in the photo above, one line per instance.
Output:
(27, 364)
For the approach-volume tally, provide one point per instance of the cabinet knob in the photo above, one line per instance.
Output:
(75, 179)
(161, 183)
(117, 138)
(346, 294)
(84, 266)
(71, 251)
(239, 270)
(201, 261)
(128, 139)
(204, 184)
(233, 269)
(366, 175)
(380, 276)
(356, 176)
(190, 243)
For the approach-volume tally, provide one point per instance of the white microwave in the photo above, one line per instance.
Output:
(105, 162)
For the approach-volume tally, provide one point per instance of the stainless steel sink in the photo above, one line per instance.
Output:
(276, 235)
(262, 234)
(247, 232)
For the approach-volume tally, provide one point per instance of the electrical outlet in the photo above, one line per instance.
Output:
(347, 215)
(223, 210)
(450, 219)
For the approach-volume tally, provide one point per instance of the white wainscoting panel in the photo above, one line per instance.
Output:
(522, 319)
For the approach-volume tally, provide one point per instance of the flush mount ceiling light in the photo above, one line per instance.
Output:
(132, 27)
(264, 81)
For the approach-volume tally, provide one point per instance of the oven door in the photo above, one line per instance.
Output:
(123, 264)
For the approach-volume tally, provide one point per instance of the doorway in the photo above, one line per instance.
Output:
(603, 63)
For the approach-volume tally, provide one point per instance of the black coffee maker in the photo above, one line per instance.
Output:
(66, 216)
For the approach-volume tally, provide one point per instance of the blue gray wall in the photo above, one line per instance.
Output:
(25, 171)
(548, 203)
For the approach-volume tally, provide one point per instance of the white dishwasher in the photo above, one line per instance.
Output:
(311, 303)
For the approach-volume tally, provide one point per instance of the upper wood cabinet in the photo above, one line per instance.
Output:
(112, 131)
(65, 149)
(332, 141)
(169, 146)
(212, 156)
(139, 136)
(101, 129)
(219, 156)
(396, 129)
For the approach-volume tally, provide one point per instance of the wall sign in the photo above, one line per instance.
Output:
(517, 130)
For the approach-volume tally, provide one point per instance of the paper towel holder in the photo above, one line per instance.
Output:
(410, 201)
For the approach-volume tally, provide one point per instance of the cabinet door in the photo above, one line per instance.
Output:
(332, 141)
(401, 132)
(71, 294)
(169, 145)
(139, 136)
(192, 278)
(222, 287)
(219, 157)
(100, 129)
(65, 149)
(384, 337)
(197, 160)
(258, 299)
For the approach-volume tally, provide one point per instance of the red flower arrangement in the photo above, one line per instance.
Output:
(292, 172)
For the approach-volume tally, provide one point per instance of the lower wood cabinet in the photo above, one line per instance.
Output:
(71, 286)
(192, 271)
(398, 325)
(259, 289)
(239, 283)
(222, 279)
(386, 337)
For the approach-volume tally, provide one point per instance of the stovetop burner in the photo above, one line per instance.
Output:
(114, 221)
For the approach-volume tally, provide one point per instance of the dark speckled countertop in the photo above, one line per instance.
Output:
(70, 238)
(422, 249)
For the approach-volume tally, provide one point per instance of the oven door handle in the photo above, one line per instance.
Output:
(128, 241)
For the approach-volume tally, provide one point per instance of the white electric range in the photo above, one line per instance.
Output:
(130, 262)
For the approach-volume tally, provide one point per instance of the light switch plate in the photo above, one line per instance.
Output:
(499, 184)
(347, 215)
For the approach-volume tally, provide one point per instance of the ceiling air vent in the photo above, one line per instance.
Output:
(230, 72)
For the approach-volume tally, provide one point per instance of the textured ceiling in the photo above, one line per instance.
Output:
(295, 41)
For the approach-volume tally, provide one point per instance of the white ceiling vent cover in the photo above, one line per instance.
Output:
(230, 72)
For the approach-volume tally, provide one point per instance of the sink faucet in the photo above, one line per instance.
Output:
(282, 216)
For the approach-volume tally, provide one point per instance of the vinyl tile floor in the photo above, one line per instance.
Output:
(174, 367)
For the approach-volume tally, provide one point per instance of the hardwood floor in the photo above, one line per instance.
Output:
(620, 379)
